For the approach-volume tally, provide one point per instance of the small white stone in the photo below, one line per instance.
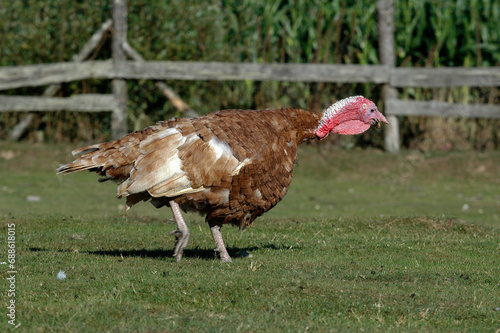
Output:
(61, 275)
(33, 198)
(465, 207)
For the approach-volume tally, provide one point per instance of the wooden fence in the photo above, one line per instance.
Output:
(119, 69)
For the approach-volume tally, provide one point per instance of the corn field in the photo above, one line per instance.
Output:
(428, 33)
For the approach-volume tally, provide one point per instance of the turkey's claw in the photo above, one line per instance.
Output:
(182, 240)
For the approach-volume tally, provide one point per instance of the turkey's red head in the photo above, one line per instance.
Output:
(352, 115)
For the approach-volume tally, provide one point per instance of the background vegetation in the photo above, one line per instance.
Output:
(428, 33)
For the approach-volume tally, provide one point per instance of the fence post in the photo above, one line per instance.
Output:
(119, 86)
(385, 9)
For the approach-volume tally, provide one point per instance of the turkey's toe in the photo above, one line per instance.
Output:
(180, 244)
(226, 259)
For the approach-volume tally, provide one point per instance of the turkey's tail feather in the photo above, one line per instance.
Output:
(112, 160)
(90, 159)
(86, 150)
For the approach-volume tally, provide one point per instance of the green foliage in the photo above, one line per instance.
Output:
(428, 33)
(449, 33)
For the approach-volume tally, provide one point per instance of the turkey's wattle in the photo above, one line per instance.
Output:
(231, 166)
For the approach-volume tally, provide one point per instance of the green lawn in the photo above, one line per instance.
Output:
(363, 241)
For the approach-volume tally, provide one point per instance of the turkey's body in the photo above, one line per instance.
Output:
(231, 165)
(244, 160)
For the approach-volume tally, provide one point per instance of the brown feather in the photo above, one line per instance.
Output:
(231, 165)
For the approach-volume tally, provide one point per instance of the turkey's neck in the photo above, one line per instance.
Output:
(304, 123)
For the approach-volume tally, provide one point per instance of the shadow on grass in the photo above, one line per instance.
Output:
(205, 254)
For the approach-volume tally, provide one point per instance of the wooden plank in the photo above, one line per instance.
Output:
(17, 131)
(385, 14)
(441, 109)
(44, 74)
(92, 43)
(39, 75)
(119, 116)
(81, 103)
(445, 77)
(220, 71)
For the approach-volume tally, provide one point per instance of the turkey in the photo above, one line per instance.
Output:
(231, 165)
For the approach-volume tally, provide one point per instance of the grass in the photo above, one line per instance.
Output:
(363, 241)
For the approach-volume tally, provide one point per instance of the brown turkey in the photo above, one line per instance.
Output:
(231, 166)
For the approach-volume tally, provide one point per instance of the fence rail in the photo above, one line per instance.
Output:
(445, 77)
(440, 109)
(79, 103)
(44, 74)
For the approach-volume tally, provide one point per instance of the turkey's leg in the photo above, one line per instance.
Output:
(221, 248)
(182, 232)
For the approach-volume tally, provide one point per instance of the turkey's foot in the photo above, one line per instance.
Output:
(221, 248)
(182, 240)
(182, 232)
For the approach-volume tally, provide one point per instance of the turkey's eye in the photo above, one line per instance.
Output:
(372, 110)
